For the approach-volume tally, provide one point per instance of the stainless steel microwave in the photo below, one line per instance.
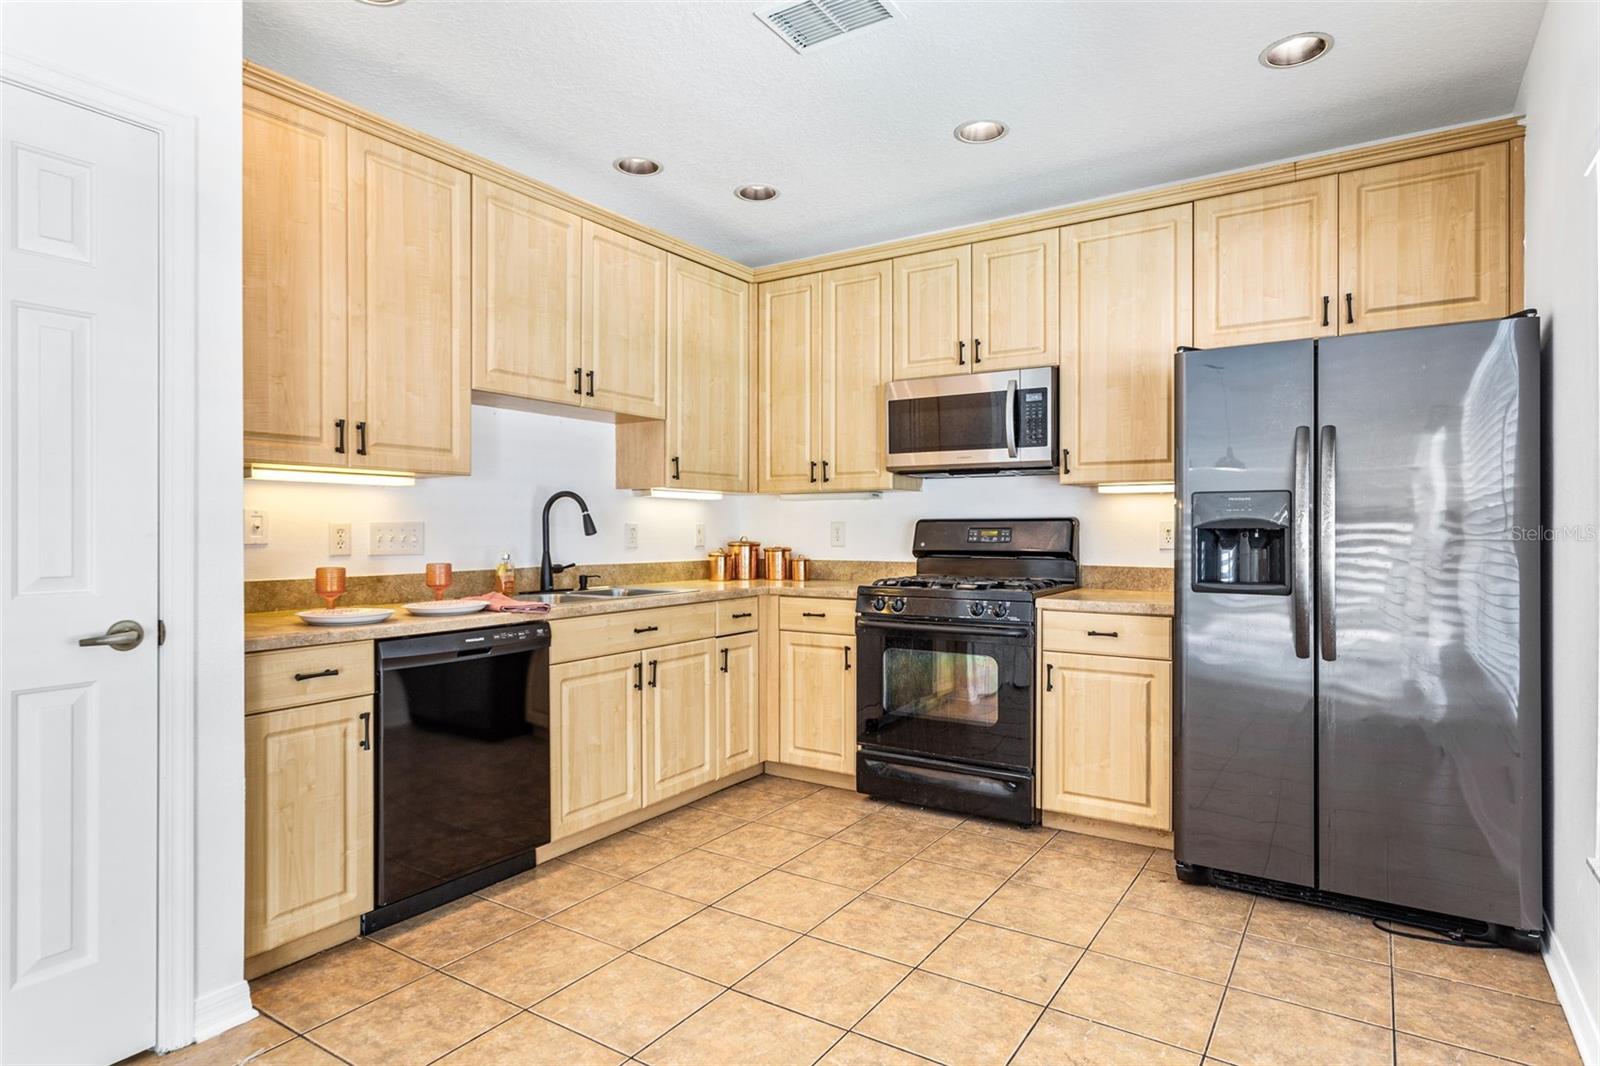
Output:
(1002, 422)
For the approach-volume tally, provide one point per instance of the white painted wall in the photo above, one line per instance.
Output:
(519, 458)
(1561, 98)
(185, 57)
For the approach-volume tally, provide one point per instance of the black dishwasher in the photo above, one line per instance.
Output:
(463, 765)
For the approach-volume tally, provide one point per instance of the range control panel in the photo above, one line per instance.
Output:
(1035, 418)
(988, 534)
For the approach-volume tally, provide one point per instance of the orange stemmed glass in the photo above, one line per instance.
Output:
(330, 584)
(437, 577)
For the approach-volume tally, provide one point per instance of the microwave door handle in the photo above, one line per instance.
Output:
(1011, 418)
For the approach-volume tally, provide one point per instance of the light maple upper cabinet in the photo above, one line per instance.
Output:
(1125, 309)
(624, 357)
(1016, 309)
(1266, 264)
(817, 701)
(933, 313)
(856, 357)
(1426, 241)
(296, 377)
(789, 384)
(527, 289)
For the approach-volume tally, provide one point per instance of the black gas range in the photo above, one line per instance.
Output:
(946, 685)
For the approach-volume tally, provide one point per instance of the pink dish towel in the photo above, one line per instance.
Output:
(499, 602)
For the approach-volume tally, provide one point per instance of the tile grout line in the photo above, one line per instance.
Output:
(1238, 950)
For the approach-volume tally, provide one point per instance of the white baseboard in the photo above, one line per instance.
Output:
(219, 1011)
(1580, 1014)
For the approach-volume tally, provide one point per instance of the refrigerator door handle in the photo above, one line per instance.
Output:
(1300, 563)
(1327, 457)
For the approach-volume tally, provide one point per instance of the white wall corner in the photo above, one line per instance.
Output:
(1581, 1015)
(221, 1010)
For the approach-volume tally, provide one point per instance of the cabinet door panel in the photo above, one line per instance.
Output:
(857, 351)
(789, 384)
(680, 718)
(738, 703)
(1266, 264)
(1106, 739)
(295, 377)
(527, 287)
(410, 301)
(1016, 302)
(708, 376)
(308, 820)
(1125, 309)
(624, 323)
(933, 313)
(817, 707)
(1425, 242)
(594, 741)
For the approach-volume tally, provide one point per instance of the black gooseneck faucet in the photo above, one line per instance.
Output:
(547, 572)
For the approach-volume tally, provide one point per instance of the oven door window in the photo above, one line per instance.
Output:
(951, 686)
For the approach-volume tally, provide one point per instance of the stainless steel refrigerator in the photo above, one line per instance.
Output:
(1358, 609)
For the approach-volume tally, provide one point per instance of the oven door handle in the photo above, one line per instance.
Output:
(945, 630)
(1012, 415)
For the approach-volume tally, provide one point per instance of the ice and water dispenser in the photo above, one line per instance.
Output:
(1241, 542)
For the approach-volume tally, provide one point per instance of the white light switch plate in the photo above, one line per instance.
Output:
(836, 534)
(700, 535)
(397, 538)
(630, 535)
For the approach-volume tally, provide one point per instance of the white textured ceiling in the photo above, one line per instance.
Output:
(1101, 98)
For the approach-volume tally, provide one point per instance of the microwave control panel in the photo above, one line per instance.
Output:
(1035, 429)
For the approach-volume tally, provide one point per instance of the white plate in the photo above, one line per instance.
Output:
(345, 616)
(448, 606)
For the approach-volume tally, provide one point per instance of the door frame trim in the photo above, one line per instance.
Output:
(178, 512)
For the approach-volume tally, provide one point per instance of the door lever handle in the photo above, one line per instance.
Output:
(119, 636)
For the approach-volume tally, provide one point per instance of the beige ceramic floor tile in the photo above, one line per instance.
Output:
(1063, 1040)
(446, 933)
(738, 1029)
(767, 845)
(628, 1002)
(857, 1050)
(626, 854)
(626, 915)
(1518, 972)
(1495, 1023)
(689, 826)
(1255, 1031)
(305, 995)
(923, 815)
(1202, 951)
(737, 803)
(948, 1021)
(1159, 1004)
(717, 945)
(1102, 849)
(787, 789)
(888, 928)
(835, 984)
(970, 851)
(527, 1039)
(1156, 889)
(1004, 960)
(844, 864)
(1081, 876)
(297, 1052)
(416, 1023)
(893, 835)
(550, 887)
(700, 875)
(530, 964)
(1035, 836)
(1414, 1051)
(1045, 912)
(938, 887)
(242, 1043)
(821, 818)
(1319, 979)
(789, 900)
(1318, 927)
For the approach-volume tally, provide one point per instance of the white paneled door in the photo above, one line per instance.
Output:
(79, 281)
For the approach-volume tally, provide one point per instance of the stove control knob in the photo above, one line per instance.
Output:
(878, 603)
(898, 605)
(1000, 610)
(976, 610)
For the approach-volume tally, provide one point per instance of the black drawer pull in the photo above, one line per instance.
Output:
(977, 351)
(638, 677)
(338, 427)
(645, 629)
(1098, 633)
(961, 353)
(361, 438)
(330, 672)
(652, 673)
(813, 614)
(1325, 310)
(366, 730)
(590, 375)
(1049, 677)
(577, 381)
(1350, 308)
(847, 657)
(742, 614)
(724, 660)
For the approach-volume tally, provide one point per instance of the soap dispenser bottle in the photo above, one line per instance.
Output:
(505, 576)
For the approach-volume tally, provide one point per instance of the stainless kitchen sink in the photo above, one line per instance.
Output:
(617, 592)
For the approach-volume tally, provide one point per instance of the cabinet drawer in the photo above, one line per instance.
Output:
(736, 616)
(296, 676)
(1134, 635)
(811, 615)
(620, 631)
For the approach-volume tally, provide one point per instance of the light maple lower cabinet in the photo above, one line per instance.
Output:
(680, 718)
(308, 820)
(595, 741)
(738, 703)
(817, 701)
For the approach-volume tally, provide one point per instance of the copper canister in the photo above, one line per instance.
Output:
(742, 556)
(777, 563)
(717, 565)
(798, 566)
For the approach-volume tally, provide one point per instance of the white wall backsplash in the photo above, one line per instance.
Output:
(519, 458)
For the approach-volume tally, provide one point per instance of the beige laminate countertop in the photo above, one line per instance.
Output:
(272, 630)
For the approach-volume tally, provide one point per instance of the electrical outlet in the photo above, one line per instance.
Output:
(1166, 535)
(397, 538)
(836, 534)
(630, 535)
(700, 536)
(339, 538)
(255, 527)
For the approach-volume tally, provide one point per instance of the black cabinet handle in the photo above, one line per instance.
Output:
(1325, 301)
(366, 729)
(577, 381)
(590, 375)
(338, 427)
(813, 614)
(1066, 467)
(847, 656)
(638, 677)
(645, 629)
(742, 614)
(1350, 308)
(675, 470)
(361, 438)
(330, 672)
(652, 673)
(961, 353)
(1049, 677)
(825, 478)
(813, 471)
(724, 660)
(1098, 633)
(977, 351)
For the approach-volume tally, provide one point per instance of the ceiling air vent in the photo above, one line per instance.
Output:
(809, 23)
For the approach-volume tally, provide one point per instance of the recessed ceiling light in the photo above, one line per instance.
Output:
(756, 193)
(637, 164)
(981, 131)
(383, 3)
(1295, 50)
